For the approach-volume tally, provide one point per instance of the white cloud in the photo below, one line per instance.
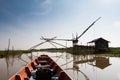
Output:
(107, 2)
(46, 7)
(118, 76)
(116, 24)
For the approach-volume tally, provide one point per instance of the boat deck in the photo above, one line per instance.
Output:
(41, 68)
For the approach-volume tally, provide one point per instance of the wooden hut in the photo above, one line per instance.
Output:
(100, 44)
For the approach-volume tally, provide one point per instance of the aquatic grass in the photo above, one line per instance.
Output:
(10, 52)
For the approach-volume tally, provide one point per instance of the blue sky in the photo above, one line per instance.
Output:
(25, 21)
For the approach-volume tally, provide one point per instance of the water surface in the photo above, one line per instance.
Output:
(78, 67)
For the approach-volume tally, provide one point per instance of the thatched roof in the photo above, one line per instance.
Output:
(98, 39)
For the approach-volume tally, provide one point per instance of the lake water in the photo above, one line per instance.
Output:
(78, 67)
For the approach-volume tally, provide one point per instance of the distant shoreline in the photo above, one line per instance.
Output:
(113, 50)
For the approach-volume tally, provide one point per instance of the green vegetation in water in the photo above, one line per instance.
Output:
(112, 52)
(69, 50)
(10, 52)
(115, 51)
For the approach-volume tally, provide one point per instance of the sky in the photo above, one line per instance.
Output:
(25, 21)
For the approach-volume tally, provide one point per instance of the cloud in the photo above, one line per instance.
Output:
(107, 2)
(33, 7)
(44, 8)
(116, 24)
(118, 74)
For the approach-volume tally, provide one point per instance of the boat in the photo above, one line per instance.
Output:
(41, 68)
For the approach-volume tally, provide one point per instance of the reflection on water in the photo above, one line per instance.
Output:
(97, 61)
(79, 67)
(10, 64)
(101, 62)
(6, 63)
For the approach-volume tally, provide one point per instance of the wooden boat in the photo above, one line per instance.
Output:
(41, 68)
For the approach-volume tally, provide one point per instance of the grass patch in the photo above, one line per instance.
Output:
(10, 52)
(112, 52)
